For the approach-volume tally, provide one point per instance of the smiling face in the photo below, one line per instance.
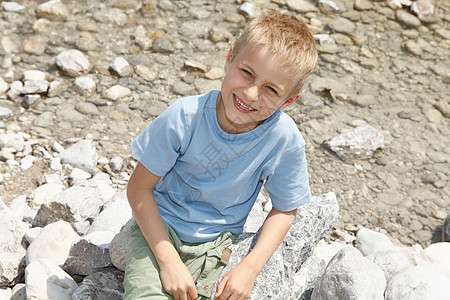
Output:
(255, 86)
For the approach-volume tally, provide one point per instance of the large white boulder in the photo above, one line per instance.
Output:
(52, 243)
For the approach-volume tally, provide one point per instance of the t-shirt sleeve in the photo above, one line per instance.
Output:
(288, 185)
(160, 144)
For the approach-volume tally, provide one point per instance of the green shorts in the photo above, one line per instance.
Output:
(205, 261)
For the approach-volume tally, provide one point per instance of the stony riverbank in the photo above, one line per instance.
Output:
(380, 65)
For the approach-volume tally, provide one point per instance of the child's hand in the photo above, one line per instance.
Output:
(236, 284)
(177, 281)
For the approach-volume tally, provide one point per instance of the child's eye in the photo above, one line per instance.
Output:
(247, 73)
(272, 90)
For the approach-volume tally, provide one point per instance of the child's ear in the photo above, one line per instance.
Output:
(290, 101)
(228, 61)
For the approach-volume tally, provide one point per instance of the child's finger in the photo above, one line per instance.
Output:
(221, 286)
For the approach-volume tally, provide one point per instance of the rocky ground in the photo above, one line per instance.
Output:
(378, 65)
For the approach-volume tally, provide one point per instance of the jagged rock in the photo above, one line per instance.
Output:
(307, 277)
(119, 244)
(45, 193)
(76, 205)
(116, 163)
(370, 242)
(418, 283)
(255, 218)
(34, 75)
(35, 87)
(5, 293)
(391, 262)
(12, 6)
(114, 216)
(19, 292)
(14, 141)
(358, 144)
(121, 67)
(145, 72)
(53, 10)
(3, 86)
(105, 284)
(81, 155)
(73, 63)
(12, 250)
(45, 280)
(85, 85)
(15, 89)
(89, 253)
(439, 255)
(349, 275)
(312, 222)
(52, 243)
(32, 233)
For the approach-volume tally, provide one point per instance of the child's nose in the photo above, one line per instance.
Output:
(252, 93)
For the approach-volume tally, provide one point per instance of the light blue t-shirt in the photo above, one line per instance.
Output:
(209, 178)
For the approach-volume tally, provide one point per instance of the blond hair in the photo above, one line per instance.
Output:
(287, 37)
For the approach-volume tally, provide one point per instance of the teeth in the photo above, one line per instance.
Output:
(242, 105)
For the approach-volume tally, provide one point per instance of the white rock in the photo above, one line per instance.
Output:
(19, 292)
(418, 283)
(416, 255)
(55, 164)
(370, 241)
(121, 67)
(392, 262)
(27, 162)
(146, 73)
(15, 89)
(52, 243)
(76, 205)
(360, 143)
(45, 193)
(81, 155)
(53, 178)
(73, 62)
(116, 92)
(5, 293)
(114, 216)
(34, 75)
(12, 140)
(18, 206)
(116, 163)
(249, 9)
(301, 6)
(349, 275)
(3, 85)
(119, 245)
(103, 186)
(255, 218)
(307, 277)
(78, 175)
(439, 255)
(12, 6)
(45, 280)
(35, 87)
(53, 10)
(85, 85)
(12, 252)
(327, 251)
(32, 233)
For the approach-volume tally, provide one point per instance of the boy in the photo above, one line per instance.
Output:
(203, 161)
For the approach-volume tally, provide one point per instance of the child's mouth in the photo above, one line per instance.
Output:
(241, 105)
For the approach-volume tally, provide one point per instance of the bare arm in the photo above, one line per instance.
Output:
(175, 277)
(238, 283)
